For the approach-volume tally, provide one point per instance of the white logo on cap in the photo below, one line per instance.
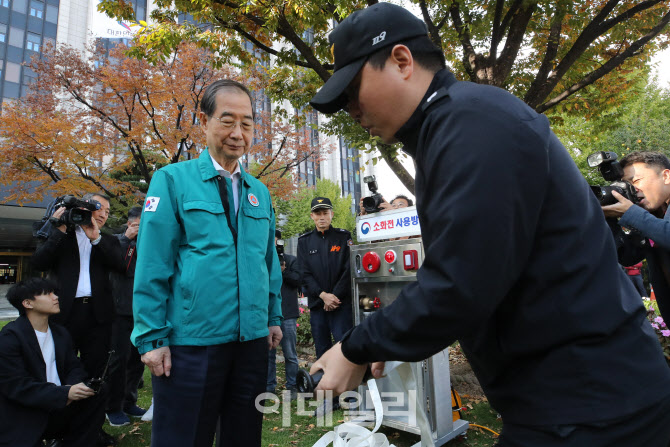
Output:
(379, 38)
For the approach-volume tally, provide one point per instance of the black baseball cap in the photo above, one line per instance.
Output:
(361, 34)
(321, 202)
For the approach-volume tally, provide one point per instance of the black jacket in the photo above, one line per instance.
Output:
(59, 255)
(289, 288)
(324, 265)
(520, 267)
(26, 398)
(632, 250)
(122, 282)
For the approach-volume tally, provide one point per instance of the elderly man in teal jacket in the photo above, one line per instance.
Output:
(207, 302)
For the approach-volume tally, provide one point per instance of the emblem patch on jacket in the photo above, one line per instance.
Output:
(252, 199)
(151, 204)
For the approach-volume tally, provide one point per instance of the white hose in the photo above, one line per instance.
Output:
(353, 435)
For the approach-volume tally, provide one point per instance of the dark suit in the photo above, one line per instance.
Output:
(89, 324)
(28, 401)
(126, 368)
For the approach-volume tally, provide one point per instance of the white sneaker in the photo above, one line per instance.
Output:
(149, 415)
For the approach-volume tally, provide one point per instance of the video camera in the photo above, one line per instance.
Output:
(371, 203)
(279, 245)
(77, 212)
(611, 170)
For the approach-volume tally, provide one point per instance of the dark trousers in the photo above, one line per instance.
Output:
(92, 340)
(324, 323)
(126, 369)
(77, 424)
(649, 428)
(207, 383)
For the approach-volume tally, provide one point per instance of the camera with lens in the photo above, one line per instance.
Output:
(371, 203)
(279, 245)
(77, 212)
(96, 383)
(611, 170)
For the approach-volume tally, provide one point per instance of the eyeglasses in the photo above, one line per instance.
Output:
(230, 124)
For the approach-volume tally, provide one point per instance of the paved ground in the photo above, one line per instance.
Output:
(7, 311)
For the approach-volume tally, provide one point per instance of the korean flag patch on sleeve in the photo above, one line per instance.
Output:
(151, 204)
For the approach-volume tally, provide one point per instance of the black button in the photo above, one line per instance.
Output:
(160, 343)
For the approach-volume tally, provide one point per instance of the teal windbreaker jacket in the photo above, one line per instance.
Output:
(193, 286)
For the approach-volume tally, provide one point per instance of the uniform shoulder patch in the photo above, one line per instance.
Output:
(350, 242)
(151, 204)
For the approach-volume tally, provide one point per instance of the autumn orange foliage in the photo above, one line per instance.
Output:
(87, 116)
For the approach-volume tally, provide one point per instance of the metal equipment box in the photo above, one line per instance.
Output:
(379, 271)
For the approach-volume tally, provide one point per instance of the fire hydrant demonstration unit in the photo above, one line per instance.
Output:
(381, 265)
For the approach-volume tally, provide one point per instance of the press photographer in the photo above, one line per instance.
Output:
(649, 174)
(80, 258)
(43, 387)
(376, 203)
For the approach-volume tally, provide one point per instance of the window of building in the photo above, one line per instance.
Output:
(36, 9)
(33, 42)
(4, 3)
(27, 79)
(52, 14)
(3, 32)
(12, 72)
(16, 37)
(2, 63)
(20, 6)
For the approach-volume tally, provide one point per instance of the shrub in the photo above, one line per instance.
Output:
(304, 329)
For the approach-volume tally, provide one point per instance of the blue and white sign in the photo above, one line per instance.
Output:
(388, 225)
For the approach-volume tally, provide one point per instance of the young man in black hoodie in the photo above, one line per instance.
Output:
(519, 266)
(42, 390)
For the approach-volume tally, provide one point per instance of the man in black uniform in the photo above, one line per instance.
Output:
(323, 255)
(519, 266)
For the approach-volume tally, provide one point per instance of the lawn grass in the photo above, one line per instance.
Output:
(302, 431)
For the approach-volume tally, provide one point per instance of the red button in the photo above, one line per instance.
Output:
(371, 262)
(389, 256)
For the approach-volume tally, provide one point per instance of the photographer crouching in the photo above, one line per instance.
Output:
(649, 174)
(79, 257)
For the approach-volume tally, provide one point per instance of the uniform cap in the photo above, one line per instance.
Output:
(361, 34)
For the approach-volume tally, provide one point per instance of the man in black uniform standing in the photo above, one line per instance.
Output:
(323, 255)
(519, 266)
